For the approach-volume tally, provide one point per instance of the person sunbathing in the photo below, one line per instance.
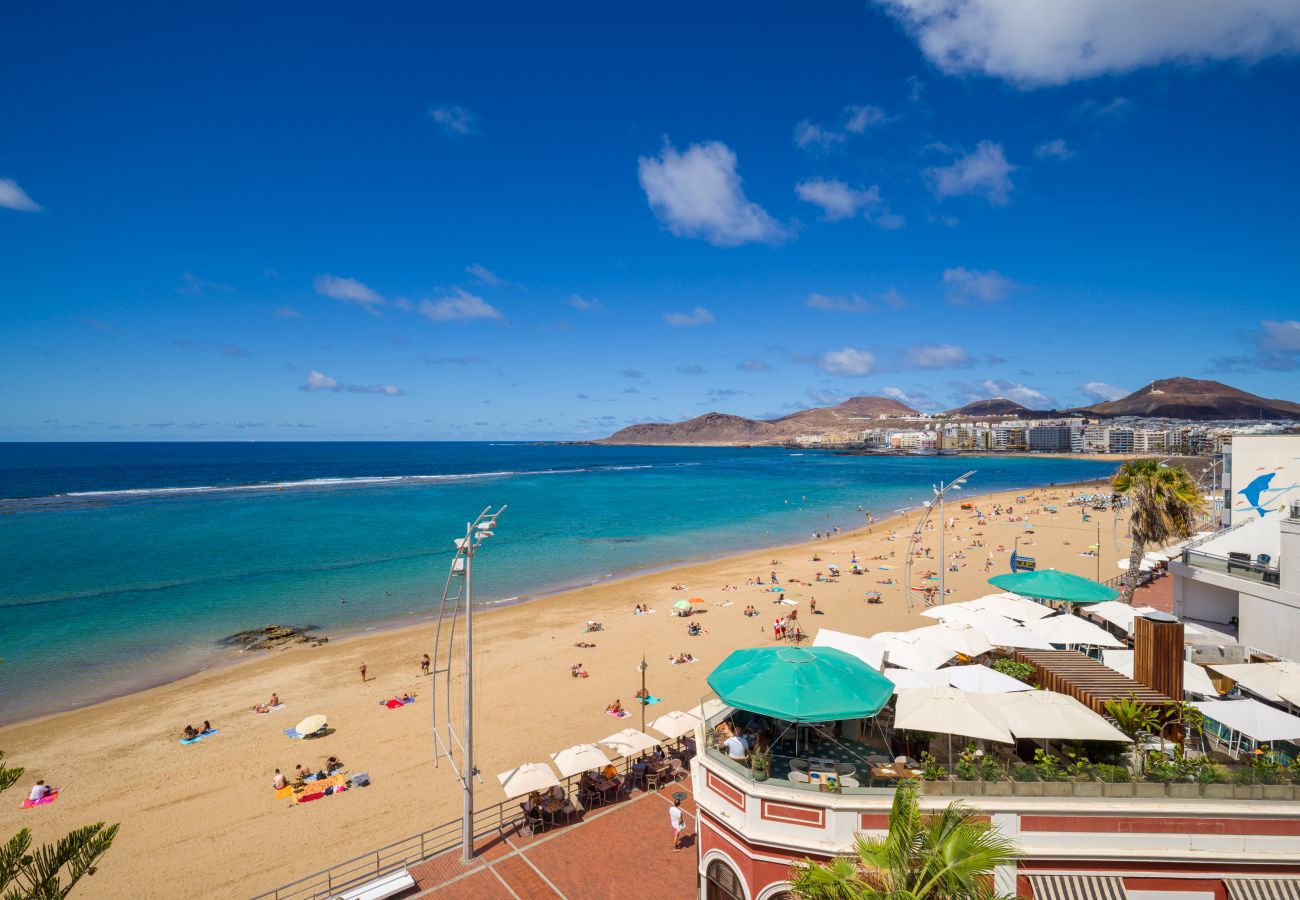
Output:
(190, 733)
(584, 645)
(616, 707)
(407, 698)
(642, 694)
(332, 765)
(686, 657)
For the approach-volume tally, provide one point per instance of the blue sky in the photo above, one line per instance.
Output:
(289, 221)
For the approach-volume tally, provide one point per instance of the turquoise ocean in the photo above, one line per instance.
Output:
(125, 565)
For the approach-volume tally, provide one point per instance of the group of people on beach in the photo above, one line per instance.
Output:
(191, 732)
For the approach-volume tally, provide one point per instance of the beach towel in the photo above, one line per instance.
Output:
(296, 735)
(887, 568)
(646, 701)
(269, 709)
(395, 703)
(47, 799)
(284, 793)
(199, 737)
(323, 787)
(618, 715)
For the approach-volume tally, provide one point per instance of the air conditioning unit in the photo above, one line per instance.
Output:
(1294, 512)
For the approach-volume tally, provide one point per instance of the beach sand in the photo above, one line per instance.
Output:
(203, 821)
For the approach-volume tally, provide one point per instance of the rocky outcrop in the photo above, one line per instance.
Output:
(275, 637)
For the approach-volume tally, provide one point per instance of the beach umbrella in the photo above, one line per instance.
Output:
(682, 604)
(527, 778)
(947, 710)
(1070, 630)
(310, 725)
(630, 741)
(1195, 680)
(675, 724)
(983, 680)
(869, 651)
(1144, 565)
(1052, 584)
(1010, 606)
(957, 637)
(697, 600)
(1002, 632)
(905, 679)
(801, 684)
(707, 709)
(960, 612)
(579, 758)
(1047, 715)
(908, 651)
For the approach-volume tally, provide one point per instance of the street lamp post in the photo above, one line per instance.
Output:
(940, 492)
(641, 667)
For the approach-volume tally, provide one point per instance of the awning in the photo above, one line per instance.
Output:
(1078, 887)
(1263, 888)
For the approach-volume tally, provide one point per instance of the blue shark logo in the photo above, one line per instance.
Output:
(1255, 491)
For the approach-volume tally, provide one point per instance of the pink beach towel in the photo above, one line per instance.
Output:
(618, 715)
(48, 798)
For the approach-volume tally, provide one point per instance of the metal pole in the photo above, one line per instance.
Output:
(1099, 549)
(467, 823)
(643, 667)
(943, 560)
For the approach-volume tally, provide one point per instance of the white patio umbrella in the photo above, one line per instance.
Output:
(707, 709)
(1047, 715)
(947, 710)
(960, 612)
(579, 758)
(1144, 565)
(630, 741)
(908, 651)
(979, 679)
(527, 778)
(905, 679)
(1274, 681)
(310, 725)
(1069, 630)
(1119, 614)
(675, 724)
(1195, 681)
(998, 630)
(869, 651)
(1257, 721)
(955, 636)
(1012, 606)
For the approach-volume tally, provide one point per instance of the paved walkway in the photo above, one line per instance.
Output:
(1159, 593)
(623, 851)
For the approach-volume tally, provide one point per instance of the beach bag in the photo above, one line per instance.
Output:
(361, 779)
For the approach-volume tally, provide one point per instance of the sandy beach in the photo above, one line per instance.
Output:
(203, 820)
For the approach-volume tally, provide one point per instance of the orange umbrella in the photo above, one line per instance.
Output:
(697, 599)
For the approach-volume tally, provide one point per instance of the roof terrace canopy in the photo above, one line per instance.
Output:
(1053, 584)
(801, 684)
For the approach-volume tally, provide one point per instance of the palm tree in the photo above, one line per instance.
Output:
(946, 855)
(1164, 501)
(28, 873)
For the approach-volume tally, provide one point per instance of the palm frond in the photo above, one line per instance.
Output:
(76, 852)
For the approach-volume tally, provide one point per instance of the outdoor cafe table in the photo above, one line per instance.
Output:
(894, 771)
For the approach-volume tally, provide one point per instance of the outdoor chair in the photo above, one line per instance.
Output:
(798, 777)
(655, 777)
(676, 769)
(1239, 561)
(849, 781)
(843, 769)
(590, 799)
(800, 765)
(533, 819)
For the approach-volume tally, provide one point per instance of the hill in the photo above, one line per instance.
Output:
(721, 428)
(995, 406)
(1196, 399)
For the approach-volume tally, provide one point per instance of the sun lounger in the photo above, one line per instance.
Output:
(381, 888)
(44, 801)
(199, 737)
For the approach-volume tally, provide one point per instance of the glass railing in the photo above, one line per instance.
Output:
(1239, 568)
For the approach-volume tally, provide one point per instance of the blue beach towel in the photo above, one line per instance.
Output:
(648, 700)
(199, 737)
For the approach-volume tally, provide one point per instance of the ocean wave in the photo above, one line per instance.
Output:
(303, 484)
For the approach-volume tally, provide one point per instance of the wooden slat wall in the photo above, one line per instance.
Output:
(1086, 680)
(1158, 655)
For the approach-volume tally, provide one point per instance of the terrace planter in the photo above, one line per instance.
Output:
(1247, 792)
(997, 789)
(1278, 792)
(1118, 789)
(968, 788)
(1027, 788)
(1184, 791)
(1149, 789)
(1088, 789)
(1057, 789)
(1217, 791)
(938, 788)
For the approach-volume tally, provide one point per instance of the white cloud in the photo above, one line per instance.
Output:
(1280, 337)
(965, 285)
(453, 120)
(854, 303)
(1022, 394)
(586, 304)
(1113, 109)
(319, 381)
(893, 299)
(698, 193)
(811, 136)
(914, 400)
(1040, 43)
(483, 274)
(863, 117)
(848, 361)
(349, 290)
(1100, 390)
(936, 356)
(1055, 149)
(697, 316)
(459, 306)
(984, 172)
(888, 221)
(837, 199)
(753, 365)
(14, 197)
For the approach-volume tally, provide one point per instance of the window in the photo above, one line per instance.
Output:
(724, 883)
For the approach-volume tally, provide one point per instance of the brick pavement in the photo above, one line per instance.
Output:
(623, 850)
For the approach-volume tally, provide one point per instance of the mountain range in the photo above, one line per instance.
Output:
(1170, 398)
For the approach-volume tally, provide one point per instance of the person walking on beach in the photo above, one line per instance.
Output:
(362, 669)
(424, 665)
(678, 820)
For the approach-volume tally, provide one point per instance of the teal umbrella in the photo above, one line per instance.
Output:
(1052, 584)
(801, 684)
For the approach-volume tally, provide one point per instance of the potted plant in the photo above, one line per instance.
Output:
(760, 763)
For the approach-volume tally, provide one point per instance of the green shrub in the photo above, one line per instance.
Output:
(931, 770)
(1111, 774)
(1018, 670)
(1024, 772)
(1048, 766)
